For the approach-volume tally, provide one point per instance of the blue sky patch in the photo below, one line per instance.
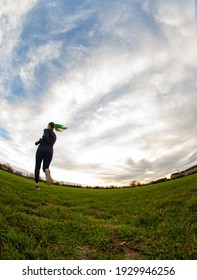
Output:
(4, 133)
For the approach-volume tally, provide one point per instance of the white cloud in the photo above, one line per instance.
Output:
(36, 57)
(12, 14)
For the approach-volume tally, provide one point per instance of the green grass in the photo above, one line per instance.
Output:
(150, 222)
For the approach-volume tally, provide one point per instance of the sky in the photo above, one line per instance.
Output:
(120, 74)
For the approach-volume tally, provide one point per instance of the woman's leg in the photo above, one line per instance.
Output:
(46, 163)
(47, 160)
(39, 158)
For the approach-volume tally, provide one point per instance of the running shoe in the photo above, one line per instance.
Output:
(49, 180)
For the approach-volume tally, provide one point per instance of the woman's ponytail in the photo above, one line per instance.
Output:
(59, 127)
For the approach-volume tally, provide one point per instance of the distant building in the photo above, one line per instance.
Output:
(186, 172)
(191, 170)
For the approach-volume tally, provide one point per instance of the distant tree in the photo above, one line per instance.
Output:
(7, 167)
(18, 173)
(135, 183)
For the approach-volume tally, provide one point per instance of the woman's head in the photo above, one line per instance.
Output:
(51, 125)
(58, 127)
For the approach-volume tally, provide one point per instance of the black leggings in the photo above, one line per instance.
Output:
(46, 157)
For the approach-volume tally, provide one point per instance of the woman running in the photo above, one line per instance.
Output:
(45, 152)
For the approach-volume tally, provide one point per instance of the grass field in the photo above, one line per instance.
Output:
(150, 222)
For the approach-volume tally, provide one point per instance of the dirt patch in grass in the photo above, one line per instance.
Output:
(122, 247)
(85, 253)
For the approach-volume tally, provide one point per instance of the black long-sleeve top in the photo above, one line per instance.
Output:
(48, 139)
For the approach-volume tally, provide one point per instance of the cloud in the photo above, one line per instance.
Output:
(121, 77)
(12, 17)
(38, 57)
